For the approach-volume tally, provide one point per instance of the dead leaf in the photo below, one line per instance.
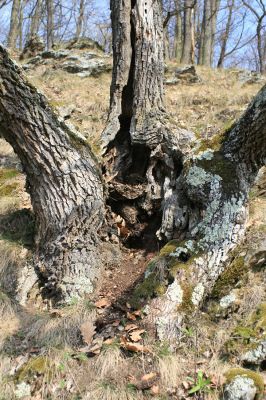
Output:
(137, 313)
(155, 389)
(87, 330)
(131, 327)
(102, 303)
(147, 381)
(135, 347)
(135, 336)
(131, 316)
(109, 341)
(150, 376)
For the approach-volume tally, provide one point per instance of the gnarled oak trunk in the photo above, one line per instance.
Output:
(198, 197)
(64, 182)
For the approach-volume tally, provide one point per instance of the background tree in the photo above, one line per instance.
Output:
(14, 25)
(188, 29)
(260, 15)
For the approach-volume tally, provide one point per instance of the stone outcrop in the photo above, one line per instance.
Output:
(83, 64)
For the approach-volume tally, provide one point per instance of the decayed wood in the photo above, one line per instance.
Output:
(63, 180)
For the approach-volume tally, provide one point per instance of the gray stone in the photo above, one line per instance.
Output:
(250, 77)
(85, 66)
(187, 74)
(240, 388)
(255, 356)
(56, 55)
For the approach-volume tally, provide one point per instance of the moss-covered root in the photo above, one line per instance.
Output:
(233, 373)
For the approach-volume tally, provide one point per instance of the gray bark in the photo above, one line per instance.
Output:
(151, 166)
(50, 24)
(188, 29)
(210, 11)
(178, 40)
(63, 180)
(14, 22)
(80, 21)
(35, 19)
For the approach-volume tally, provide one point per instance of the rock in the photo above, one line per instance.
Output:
(243, 384)
(66, 111)
(187, 74)
(250, 77)
(171, 81)
(85, 65)
(255, 356)
(32, 47)
(84, 43)
(56, 55)
(241, 388)
(226, 301)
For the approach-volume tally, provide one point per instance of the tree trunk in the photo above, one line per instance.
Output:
(63, 180)
(13, 30)
(80, 21)
(214, 12)
(187, 51)
(206, 38)
(226, 34)
(20, 25)
(178, 33)
(35, 20)
(198, 198)
(50, 24)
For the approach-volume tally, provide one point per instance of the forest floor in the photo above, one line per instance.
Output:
(100, 347)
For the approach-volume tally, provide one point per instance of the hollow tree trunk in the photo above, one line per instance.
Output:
(63, 180)
(138, 153)
(14, 22)
(199, 198)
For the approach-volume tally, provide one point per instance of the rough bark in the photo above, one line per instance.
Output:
(138, 149)
(208, 211)
(199, 197)
(13, 30)
(63, 180)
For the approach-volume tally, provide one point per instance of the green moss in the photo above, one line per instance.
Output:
(18, 227)
(170, 247)
(187, 305)
(176, 266)
(257, 378)
(237, 270)
(150, 287)
(6, 173)
(246, 336)
(213, 143)
(259, 318)
(40, 365)
(222, 167)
